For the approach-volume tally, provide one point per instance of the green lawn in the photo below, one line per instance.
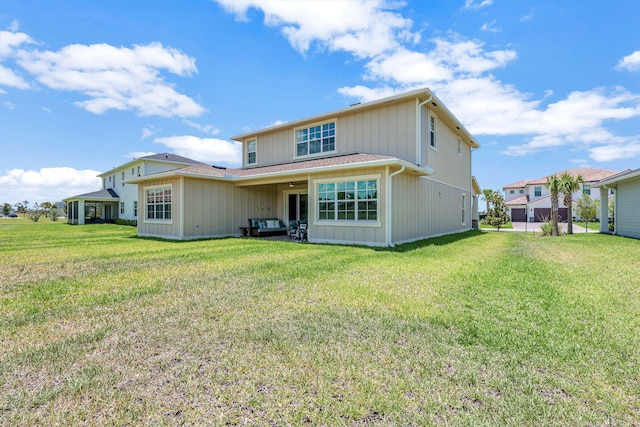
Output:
(99, 327)
(505, 225)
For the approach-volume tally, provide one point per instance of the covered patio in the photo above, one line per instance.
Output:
(96, 207)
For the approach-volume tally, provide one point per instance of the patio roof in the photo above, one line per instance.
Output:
(108, 194)
(349, 161)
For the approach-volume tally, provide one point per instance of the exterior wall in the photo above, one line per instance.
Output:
(369, 233)
(387, 130)
(516, 193)
(216, 208)
(424, 207)
(448, 166)
(170, 229)
(628, 208)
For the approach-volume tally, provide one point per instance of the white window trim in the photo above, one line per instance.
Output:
(256, 151)
(144, 195)
(308, 125)
(345, 223)
(435, 131)
(459, 146)
(464, 209)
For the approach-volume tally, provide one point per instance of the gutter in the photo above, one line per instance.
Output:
(419, 130)
(389, 205)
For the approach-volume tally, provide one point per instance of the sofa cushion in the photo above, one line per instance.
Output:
(273, 223)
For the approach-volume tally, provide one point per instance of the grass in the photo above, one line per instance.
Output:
(100, 327)
(505, 225)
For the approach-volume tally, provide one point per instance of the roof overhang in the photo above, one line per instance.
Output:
(617, 178)
(419, 94)
(409, 167)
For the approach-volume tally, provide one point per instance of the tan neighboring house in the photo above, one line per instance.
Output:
(530, 200)
(380, 173)
(626, 189)
(117, 199)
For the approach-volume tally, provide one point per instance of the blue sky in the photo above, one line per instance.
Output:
(86, 86)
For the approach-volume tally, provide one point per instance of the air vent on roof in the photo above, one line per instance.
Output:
(353, 105)
(219, 167)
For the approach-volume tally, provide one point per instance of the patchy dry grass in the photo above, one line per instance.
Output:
(99, 327)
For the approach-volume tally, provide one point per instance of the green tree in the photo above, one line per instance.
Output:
(487, 193)
(497, 211)
(35, 213)
(47, 208)
(555, 187)
(586, 209)
(570, 184)
(6, 208)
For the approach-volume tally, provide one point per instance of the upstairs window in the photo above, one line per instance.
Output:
(252, 152)
(316, 139)
(537, 191)
(511, 191)
(521, 191)
(459, 147)
(586, 189)
(433, 125)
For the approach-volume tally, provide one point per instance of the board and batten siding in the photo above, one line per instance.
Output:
(349, 232)
(628, 208)
(169, 229)
(387, 130)
(423, 208)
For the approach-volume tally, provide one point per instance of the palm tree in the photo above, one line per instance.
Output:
(487, 193)
(570, 184)
(555, 186)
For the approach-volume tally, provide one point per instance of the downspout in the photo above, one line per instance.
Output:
(389, 205)
(615, 209)
(419, 130)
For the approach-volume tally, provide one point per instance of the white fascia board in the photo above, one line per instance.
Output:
(617, 178)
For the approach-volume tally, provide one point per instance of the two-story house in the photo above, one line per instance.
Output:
(118, 199)
(530, 200)
(380, 173)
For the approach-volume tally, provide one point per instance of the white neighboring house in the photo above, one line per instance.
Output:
(626, 188)
(117, 199)
(530, 200)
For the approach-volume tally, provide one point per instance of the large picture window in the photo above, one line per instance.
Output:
(159, 203)
(348, 200)
(316, 139)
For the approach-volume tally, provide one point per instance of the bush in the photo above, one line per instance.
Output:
(547, 228)
(129, 222)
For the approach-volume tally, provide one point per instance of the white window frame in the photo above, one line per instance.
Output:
(586, 189)
(322, 152)
(464, 209)
(146, 204)
(433, 131)
(253, 151)
(135, 208)
(534, 191)
(348, 222)
(121, 208)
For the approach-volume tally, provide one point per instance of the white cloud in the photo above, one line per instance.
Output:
(527, 17)
(490, 27)
(137, 154)
(118, 78)
(47, 184)
(626, 150)
(10, 41)
(363, 27)
(630, 62)
(211, 150)
(148, 131)
(8, 105)
(210, 129)
(473, 4)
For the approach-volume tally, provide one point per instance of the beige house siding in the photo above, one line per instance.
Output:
(349, 232)
(628, 208)
(423, 207)
(447, 165)
(165, 229)
(217, 208)
(388, 130)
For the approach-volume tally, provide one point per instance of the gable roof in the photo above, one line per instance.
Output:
(348, 161)
(160, 157)
(420, 94)
(522, 200)
(588, 174)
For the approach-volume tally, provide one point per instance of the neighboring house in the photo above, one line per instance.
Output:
(386, 172)
(626, 190)
(530, 200)
(118, 199)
